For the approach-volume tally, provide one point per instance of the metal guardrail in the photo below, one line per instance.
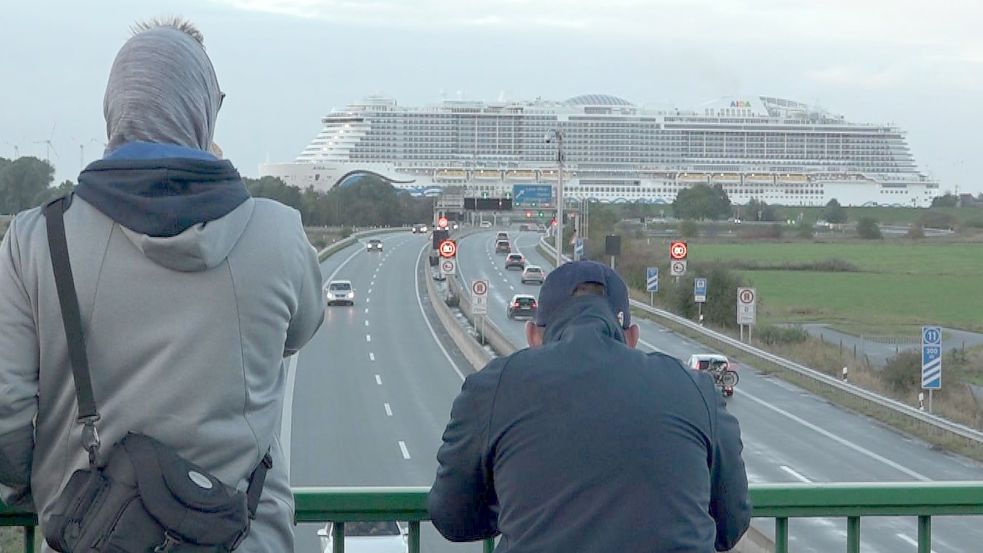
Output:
(781, 502)
(939, 423)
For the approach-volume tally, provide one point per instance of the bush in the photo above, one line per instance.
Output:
(761, 232)
(868, 229)
(722, 284)
(937, 219)
(346, 232)
(773, 335)
(903, 372)
(916, 232)
(804, 230)
(689, 229)
(971, 223)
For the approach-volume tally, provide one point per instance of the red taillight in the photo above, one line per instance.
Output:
(515, 305)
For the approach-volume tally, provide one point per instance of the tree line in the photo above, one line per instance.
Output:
(27, 181)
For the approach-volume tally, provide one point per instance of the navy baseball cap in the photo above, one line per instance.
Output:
(561, 283)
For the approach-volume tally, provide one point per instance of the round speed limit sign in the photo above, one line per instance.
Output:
(479, 287)
(678, 250)
(747, 296)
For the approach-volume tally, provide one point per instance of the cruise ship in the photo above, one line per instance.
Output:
(775, 150)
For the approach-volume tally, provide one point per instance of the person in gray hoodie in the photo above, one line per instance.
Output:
(191, 292)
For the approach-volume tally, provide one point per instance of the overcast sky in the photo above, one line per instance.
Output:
(285, 63)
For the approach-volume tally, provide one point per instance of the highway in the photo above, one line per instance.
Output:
(789, 434)
(372, 392)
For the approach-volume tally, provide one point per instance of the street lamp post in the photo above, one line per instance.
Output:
(556, 135)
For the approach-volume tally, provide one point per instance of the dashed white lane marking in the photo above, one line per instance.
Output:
(366, 310)
(378, 380)
(842, 441)
(389, 410)
(371, 284)
(794, 474)
(366, 322)
(370, 290)
(910, 541)
(511, 287)
(402, 448)
(371, 356)
(368, 337)
(367, 300)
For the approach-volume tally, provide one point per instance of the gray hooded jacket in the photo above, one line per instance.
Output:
(186, 339)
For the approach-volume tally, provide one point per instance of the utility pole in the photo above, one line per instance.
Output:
(557, 136)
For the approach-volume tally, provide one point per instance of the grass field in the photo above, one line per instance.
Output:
(898, 283)
(885, 215)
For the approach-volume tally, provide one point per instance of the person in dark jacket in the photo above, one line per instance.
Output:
(583, 443)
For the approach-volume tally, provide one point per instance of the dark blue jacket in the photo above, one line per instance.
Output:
(585, 444)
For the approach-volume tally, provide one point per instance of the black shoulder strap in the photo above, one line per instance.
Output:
(65, 284)
(256, 482)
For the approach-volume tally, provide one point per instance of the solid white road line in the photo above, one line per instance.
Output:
(402, 448)
(371, 356)
(286, 418)
(389, 410)
(794, 474)
(842, 441)
(378, 380)
(910, 541)
(419, 302)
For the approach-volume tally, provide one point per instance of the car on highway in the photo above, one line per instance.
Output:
(533, 274)
(339, 292)
(502, 235)
(367, 537)
(374, 245)
(503, 246)
(485, 224)
(515, 261)
(420, 229)
(723, 371)
(522, 305)
(540, 228)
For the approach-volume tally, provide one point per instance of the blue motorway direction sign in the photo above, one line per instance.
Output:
(652, 279)
(532, 195)
(931, 357)
(700, 290)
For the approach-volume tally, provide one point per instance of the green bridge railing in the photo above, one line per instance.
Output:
(781, 502)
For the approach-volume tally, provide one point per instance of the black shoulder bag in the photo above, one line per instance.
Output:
(146, 498)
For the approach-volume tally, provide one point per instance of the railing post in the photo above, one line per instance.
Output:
(924, 534)
(781, 534)
(414, 539)
(29, 539)
(853, 534)
(338, 541)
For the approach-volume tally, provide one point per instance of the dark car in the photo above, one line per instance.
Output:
(503, 246)
(420, 229)
(515, 261)
(374, 245)
(522, 305)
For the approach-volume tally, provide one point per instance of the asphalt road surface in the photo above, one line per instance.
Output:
(372, 392)
(789, 434)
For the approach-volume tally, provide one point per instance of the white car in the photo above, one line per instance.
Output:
(339, 292)
(367, 537)
(485, 224)
(532, 273)
(724, 372)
